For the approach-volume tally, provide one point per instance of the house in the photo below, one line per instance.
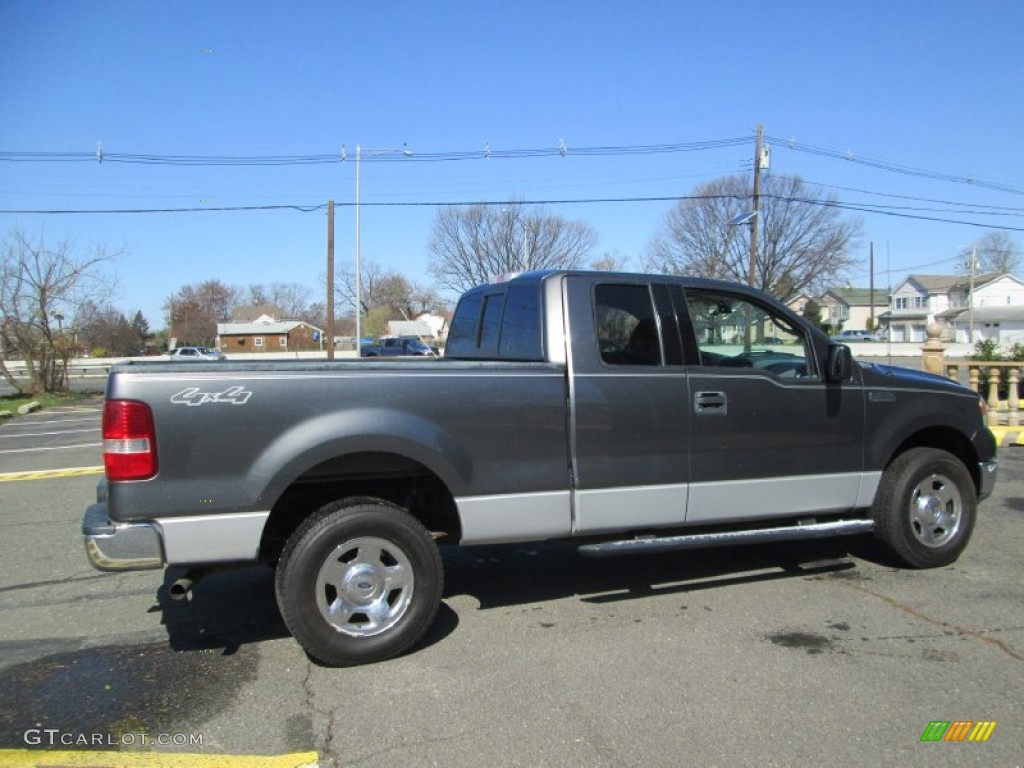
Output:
(433, 328)
(268, 335)
(853, 309)
(845, 308)
(948, 301)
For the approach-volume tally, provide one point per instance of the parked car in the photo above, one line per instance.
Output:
(196, 354)
(846, 336)
(399, 346)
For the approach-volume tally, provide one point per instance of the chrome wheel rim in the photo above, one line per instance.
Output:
(364, 586)
(936, 510)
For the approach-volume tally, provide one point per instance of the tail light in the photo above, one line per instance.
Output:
(129, 440)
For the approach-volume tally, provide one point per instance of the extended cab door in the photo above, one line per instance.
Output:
(629, 404)
(770, 436)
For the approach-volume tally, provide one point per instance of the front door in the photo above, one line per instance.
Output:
(769, 435)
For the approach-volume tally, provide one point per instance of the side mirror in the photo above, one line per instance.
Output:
(840, 363)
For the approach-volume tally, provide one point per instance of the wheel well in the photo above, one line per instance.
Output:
(390, 477)
(946, 439)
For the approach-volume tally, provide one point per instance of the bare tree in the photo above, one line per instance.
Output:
(194, 311)
(612, 261)
(383, 288)
(41, 291)
(471, 245)
(804, 242)
(293, 299)
(996, 251)
(108, 333)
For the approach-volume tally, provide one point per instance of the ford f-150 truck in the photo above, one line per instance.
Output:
(632, 413)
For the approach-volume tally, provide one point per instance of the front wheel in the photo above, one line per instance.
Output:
(359, 581)
(925, 508)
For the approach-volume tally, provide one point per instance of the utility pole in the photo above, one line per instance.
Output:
(752, 276)
(871, 294)
(330, 280)
(970, 296)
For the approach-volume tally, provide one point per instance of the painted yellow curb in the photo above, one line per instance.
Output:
(37, 758)
(47, 474)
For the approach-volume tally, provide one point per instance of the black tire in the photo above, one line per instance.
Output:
(925, 508)
(359, 581)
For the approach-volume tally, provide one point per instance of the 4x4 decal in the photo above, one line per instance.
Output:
(192, 396)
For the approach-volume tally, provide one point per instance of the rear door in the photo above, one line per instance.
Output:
(770, 437)
(629, 412)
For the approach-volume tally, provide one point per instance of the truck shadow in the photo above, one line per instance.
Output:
(508, 575)
(232, 608)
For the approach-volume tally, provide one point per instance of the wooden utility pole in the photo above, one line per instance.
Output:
(330, 279)
(752, 276)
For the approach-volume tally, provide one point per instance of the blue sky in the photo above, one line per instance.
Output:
(928, 85)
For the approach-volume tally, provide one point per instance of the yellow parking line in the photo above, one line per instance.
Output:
(36, 758)
(46, 474)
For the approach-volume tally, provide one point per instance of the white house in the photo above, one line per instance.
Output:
(944, 299)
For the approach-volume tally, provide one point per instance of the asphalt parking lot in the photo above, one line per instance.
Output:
(770, 656)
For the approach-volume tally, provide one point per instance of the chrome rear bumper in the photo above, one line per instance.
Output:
(112, 546)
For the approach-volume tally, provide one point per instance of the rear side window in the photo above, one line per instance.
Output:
(503, 325)
(520, 326)
(462, 334)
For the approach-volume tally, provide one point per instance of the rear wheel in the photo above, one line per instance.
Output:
(925, 508)
(359, 581)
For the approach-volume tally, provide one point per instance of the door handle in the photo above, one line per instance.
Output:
(711, 404)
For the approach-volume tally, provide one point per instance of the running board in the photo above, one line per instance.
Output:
(727, 538)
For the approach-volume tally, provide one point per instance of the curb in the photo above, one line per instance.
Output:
(1008, 435)
(38, 758)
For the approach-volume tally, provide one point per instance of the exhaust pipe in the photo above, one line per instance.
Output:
(181, 589)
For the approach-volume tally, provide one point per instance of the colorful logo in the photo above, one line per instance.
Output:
(958, 730)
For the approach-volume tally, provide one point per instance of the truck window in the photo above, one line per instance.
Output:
(490, 324)
(462, 335)
(520, 327)
(735, 333)
(627, 331)
(502, 325)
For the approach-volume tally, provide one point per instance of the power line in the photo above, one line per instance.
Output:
(906, 212)
(485, 153)
(894, 167)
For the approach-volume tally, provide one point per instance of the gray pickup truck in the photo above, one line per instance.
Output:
(632, 413)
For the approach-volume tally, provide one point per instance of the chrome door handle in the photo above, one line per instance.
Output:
(711, 404)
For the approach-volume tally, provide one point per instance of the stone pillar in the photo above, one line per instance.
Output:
(933, 353)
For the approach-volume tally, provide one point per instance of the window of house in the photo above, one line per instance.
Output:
(283, 340)
(258, 341)
(920, 302)
(900, 302)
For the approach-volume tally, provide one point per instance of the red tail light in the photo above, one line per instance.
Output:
(129, 440)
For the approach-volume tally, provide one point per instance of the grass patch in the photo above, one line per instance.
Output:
(13, 402)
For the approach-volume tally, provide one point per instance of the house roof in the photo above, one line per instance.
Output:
(1011, 314)
(858, 297)
(410, 328)
(949, 283)
(254, 312)
(257, 329)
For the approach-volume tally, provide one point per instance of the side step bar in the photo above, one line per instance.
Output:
(727, 538)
